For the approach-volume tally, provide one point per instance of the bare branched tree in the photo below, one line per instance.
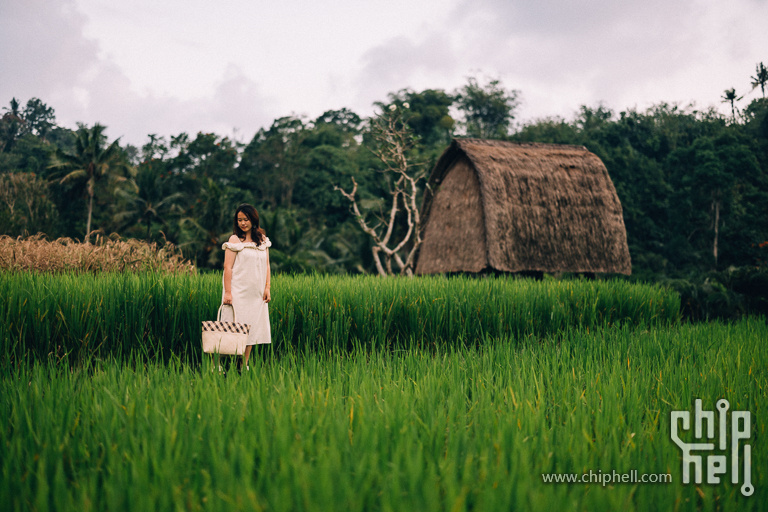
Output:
(393, 139)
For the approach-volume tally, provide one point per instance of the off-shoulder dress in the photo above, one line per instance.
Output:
(249, 278)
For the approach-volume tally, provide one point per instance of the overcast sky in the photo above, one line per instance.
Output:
(233, 66)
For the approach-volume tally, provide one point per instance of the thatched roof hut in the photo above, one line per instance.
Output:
(521, 208)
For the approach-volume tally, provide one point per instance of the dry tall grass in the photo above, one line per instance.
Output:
(106, 254)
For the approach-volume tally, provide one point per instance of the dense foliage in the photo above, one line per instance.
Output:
(693, 183)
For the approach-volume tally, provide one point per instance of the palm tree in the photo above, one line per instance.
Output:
(760, 78)
(148, 202)
(92, 163)
(11, 124)
(730, 97)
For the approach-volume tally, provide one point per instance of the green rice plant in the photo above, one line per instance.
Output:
(77, 316)
(456, 428)
(436, 309)
(82, 315)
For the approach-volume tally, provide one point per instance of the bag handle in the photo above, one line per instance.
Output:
(234, 319)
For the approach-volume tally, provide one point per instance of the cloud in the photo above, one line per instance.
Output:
(559, 54)
(562, 54)
(43, 48)
(151, 71)
(48, 56)
(560, 40)
(239, 103)
(237, 108)
(401, 63)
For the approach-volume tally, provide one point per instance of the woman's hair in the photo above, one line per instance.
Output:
(257, 234)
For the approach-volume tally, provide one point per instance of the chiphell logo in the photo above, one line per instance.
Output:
(695, 454)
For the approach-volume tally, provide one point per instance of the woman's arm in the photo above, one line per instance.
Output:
(267, 294)
(229, 261)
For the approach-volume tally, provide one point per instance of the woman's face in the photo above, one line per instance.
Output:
(243, 222)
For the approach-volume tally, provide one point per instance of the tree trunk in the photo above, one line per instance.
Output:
(375, 250)
(716, 208)
(90, 213)
(396, 140)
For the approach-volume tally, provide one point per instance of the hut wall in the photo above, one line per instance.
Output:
(556, 211)
(549, 208)
(454, 234)
(538, 207)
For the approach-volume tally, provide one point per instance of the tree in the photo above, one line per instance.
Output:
(25, 205)
(428, 114)
(299, 246)
(760, 78)
(593, 119)
(274, 159)
(325, 166)
(148, 202)
(39, 118)
(11, 126)
(553, 130)
(488, 110)
(92, 164)
(209, 155)
(205, 230)
(730, 97)
(155, 149)
(756, 125)
(715, 180)
(392, 141)
(335, 128)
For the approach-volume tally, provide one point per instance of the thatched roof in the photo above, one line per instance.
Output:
(521, 207)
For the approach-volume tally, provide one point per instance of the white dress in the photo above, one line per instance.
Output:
(249, 278)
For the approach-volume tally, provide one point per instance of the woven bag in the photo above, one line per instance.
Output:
(228, 338)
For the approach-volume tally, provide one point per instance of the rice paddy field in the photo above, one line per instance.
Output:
(377, 394)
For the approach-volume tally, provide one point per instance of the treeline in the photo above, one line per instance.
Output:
(693, 183)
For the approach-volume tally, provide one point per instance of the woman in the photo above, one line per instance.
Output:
(247, 276)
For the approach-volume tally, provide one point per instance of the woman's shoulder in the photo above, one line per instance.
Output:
(233, 244)
(265, 243)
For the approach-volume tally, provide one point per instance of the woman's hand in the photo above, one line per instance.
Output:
(267, 296)
(227, 297)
